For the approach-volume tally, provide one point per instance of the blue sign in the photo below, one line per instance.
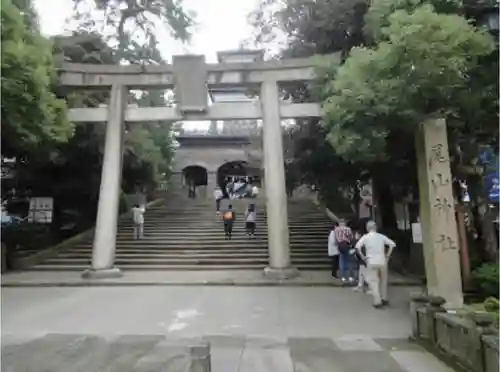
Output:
(491, 181)
(487, 156)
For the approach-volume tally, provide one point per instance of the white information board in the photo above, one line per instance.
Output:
(416, 232)
(41, 210)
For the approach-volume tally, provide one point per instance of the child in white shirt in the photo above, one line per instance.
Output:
(138, 218)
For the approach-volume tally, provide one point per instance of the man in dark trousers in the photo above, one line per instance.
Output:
(228, 218)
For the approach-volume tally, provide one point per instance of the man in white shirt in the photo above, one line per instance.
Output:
(377, 260)
(218, 195)
(333, 252)
(255, 191)
(138, 218)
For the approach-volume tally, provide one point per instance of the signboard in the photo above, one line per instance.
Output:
(489, 160)
(491, 182)
(416, 232)
(41, 210)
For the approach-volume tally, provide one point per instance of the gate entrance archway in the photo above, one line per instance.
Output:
(233, 170)
(195, 175)
(193, 77)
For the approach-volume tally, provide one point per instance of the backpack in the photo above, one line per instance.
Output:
(227, 216)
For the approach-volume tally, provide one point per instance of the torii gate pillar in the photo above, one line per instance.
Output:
(276, 199)
(103, 249)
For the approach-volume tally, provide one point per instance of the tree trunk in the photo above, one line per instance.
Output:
(483, 218)
(384, 201)
(386, 208)
(488, 228)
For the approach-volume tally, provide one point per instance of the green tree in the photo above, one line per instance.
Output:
(422, 63)
(386, 151)
(311, 26)
(420, 67)
(32, 116)
(129, 30)
(130, 25)
(315, 27)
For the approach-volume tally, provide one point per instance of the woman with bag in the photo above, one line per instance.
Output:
(344, 237)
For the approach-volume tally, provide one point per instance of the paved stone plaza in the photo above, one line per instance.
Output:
(168, 329)
(181, 277)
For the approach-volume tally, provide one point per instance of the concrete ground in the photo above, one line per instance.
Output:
(169, 328)
(198, 277)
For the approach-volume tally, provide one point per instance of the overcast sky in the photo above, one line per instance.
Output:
(221, 25)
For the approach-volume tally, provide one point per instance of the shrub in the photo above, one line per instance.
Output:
(485, 279)
(26, 235)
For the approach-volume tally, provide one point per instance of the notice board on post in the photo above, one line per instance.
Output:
(41, 209)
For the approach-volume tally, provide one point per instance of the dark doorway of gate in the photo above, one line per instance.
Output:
(195, 175)
(231, 169)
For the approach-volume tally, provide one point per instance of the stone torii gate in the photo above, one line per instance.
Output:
(192, 78)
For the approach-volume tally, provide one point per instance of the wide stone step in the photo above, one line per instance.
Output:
(193, 254)
(213, 248)
(212, 213)
(194, 250)
(236, 242)
(200, 245)
(43, 267)
(191, 221)
(213, 238)
(217, 233)
(199, 260)
(200, 228)
(238, 232)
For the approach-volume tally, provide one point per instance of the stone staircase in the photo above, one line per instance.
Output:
(186, 234)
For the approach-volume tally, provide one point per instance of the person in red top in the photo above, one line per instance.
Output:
(344, 238)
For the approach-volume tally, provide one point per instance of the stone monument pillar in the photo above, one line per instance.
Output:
(276, 200)
(437, 213)
(103, 250)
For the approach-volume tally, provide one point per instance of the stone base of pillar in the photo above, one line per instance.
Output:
(281, 274)
(113, 272)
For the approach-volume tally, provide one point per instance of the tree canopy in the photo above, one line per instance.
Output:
(34, 106)
(420, 67)
(401, 60)
(32, 115)
(130, 26)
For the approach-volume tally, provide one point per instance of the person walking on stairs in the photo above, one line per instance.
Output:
(377, 260)
(344, 237)
(250, 220)
(191, 190)
(333, 252)
(229, 188)
(218, 195)
(138, 219)
(228, 218)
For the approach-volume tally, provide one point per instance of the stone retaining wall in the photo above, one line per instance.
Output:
(34, 259)
(469, 341)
